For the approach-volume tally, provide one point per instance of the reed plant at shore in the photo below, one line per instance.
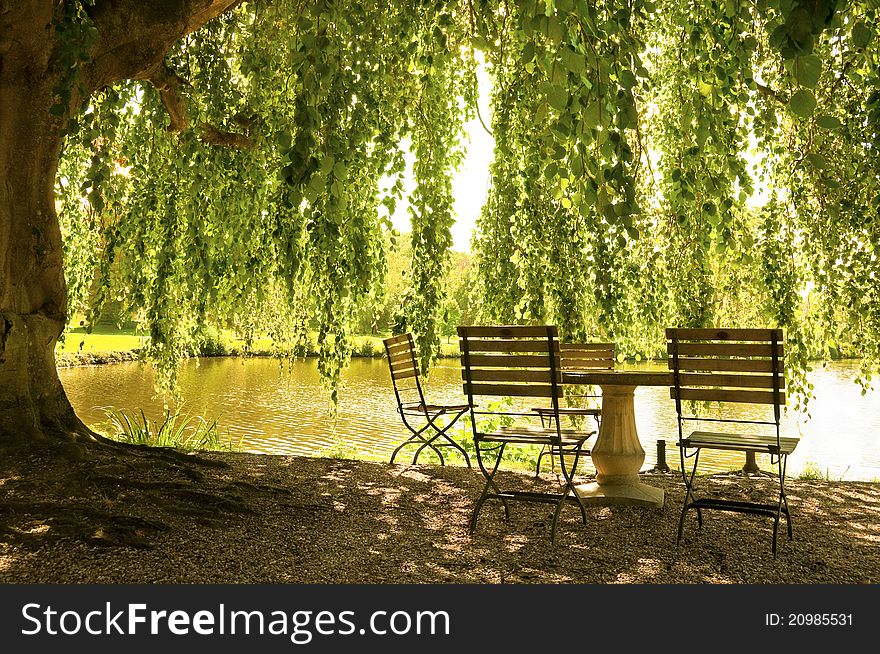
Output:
(174, 430)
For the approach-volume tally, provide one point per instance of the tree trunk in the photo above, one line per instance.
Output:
(133, 38)
(33, 294)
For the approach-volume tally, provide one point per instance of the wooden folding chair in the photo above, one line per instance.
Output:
(517, 362)
(577, 357)
(730, 365)
(422, 419)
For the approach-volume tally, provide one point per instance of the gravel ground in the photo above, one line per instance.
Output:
(101, 514)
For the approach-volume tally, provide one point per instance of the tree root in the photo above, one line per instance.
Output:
(32, 524)
(108, 494)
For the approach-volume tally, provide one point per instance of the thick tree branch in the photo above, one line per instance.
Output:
(167, 82)
(134, 38)
(214, 136)
(770, 93)
(135, 35)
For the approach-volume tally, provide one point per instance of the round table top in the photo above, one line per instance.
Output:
(619, 378)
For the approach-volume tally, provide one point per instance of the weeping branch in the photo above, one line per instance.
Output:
(214, 136)
(770, 93)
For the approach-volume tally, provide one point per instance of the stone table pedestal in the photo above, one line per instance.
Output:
(618, 455)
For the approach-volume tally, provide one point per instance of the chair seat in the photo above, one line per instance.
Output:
(537, 435)
(568, 411)
(739, 442)
(437, 409)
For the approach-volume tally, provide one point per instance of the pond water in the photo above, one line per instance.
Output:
(275, 409)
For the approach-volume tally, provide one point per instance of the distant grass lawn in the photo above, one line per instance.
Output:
(104, 338)
(109, 338)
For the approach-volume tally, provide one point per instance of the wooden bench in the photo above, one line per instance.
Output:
(578, 357)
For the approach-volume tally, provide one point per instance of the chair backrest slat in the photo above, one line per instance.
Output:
(505, 375)
(707, 366)
(404, 374)
(395, 345)
(404, 339)
(400, 358)
(504, 331)
(717, 334)
(511, 361)
(404, 369)
(725, 395)
(510, 390)
(722, 365)
(510, 346)
(507, 361)
(587, 356)
(729, 380)
(724, 349)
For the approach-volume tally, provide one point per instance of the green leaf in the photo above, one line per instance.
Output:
(802, 103)
(807, 70)
(572, 60)
(576, 165)
(817, 161)
(627, 79)
(800, 23)
(828, 122)
(555, 30)
(318, 182)
(861, 35)
(557, 96)
(593, 114)
(284, 140)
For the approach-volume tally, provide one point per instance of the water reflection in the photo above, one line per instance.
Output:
(278, 409)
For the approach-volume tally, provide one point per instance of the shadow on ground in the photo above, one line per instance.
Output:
(106, 514)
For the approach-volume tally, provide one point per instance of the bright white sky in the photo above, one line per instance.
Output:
(471, 183)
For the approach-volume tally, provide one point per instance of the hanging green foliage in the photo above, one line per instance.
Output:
(656, 163)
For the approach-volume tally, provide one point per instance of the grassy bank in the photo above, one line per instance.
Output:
(109, 344)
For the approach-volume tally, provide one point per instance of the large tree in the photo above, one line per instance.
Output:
(230, 174)
(241, 174)
(50, 64)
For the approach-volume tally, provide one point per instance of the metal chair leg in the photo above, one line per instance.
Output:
(441, 432)
(569, 488)
(785, 499)
(417, 437)
(538, 462)
(689, 498)
(490, 484)
(429, 443)
(414, 438)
